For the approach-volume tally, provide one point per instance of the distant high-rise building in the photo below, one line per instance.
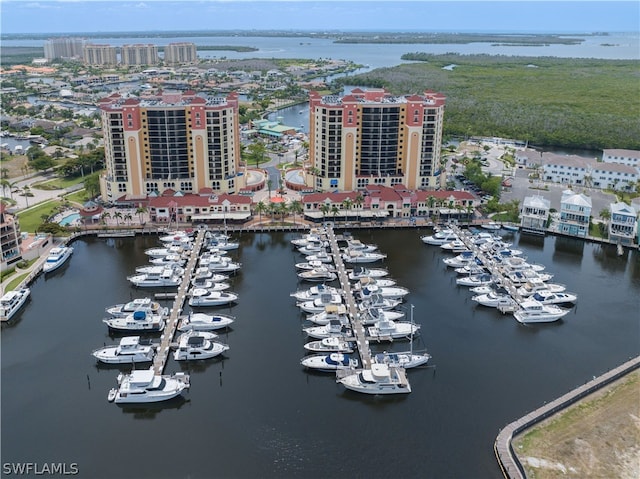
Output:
(178, 141)
(139, 54)
(182, 52)
(373, 137)
(100, 55)
(63, 47)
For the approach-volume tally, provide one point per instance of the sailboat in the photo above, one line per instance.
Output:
(403, 359)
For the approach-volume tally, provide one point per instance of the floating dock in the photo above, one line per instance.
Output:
(160, 360)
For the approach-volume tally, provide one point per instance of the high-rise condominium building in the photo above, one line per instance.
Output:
(139, 54)
(183, 52)
(63, 47)
(179, 141)
(373, 137)
(104, 55)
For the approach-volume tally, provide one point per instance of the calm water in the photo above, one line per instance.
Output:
(257, 413)
(622, 46)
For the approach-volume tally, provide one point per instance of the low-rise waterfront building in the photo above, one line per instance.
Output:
(534, 214)
(623, 223)
(625, 157)
(203, 207)
(575, 214)
(576, 170)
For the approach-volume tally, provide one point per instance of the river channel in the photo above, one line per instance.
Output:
(257, 413)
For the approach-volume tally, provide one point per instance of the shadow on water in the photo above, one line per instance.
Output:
(151, 410)
(531, 241)
(606, 256)
(568, 250)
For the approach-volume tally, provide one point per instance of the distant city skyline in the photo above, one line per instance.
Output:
(61, 17)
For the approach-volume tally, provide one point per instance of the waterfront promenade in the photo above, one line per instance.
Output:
(507, 459)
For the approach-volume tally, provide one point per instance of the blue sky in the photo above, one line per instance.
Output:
(69, 16)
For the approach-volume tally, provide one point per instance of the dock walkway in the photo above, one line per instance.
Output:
(171, 325)
(352, 308)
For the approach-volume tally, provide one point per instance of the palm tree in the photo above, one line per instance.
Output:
(26, 192)
(261, 208)
(359, 201)
(269, 185)
(128, 218)
(105, 216)
(118, 216)
(347, 203)
(282, 209)
(334, 211)
(6, 184)
(296, 208)
(324, 208)
(140, 210)
(314, 173)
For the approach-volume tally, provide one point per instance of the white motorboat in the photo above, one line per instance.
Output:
(204, 273)
(358, 256)
(318, 304)
(491, 225)
(333, 329)
(210, 285)
(495, 299)
(380, 282)
(385, 330)
(484, 289)
(204, 322)
(321, 256)
(158, 276)
(308, 238)
(162, 252)
(198, 345)
(455, 246)
(141, 320)
(549, 297)
(379, 379)
(330, 345)
(219, 264)
(204, 297)
(391, 292)
(313, 247)
(377, 301)
(154, 268)
(318, 274)
(440, 237)
(532, 311)
(359, 272)
(463, 259)
(534, 285)
(146, 387)
(12, 301)
(313, 264)
(469, 269)
(223, 244)
(357, 245)
(475, 280)
(332, 312)
(169, 260)
(329, 362)
(314, 292)
(56, 258)
(517, 263)
(404, 359)
(131, 349)
(178, 235)
(521, 277)
(135, 305)
(373, 315)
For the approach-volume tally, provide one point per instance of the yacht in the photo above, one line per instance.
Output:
(332, 312)
(314, 247)
(332, 344)
(204, 297)
(494, 298)
(463, 259)
(169, 260)
(359, 272)
(491, 226)
(56, 258)
(534, 285)
(380, 282)
(141, 320)
(223, 244)
(198, 345)
(12, 301)
(162, 252)
(329, 362)
(318, 274)
(358, 256)
(220, 264)
(391, 292)
(404, 359)
(475, 280)
(308, 238)
(377, 301)
(178, 235)
(379, 379)
(455, 246)
(321, 256)
(314, 292)
(204, 273)
(333, 329)
(158, 276)
(131, 349)
(440, 237)
(136, 304)
(549, 297)
(313, 264)
(532, 311)
(357, 245)
(373, 315)
(204, 322)
(521, 277)
(385, 330)
(144, 386)
(318, 304)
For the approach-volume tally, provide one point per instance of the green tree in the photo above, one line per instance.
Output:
(261, 208)
(296, 208)
(140, 211)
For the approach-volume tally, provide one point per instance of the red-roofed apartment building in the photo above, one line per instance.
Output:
(175, 140)
(199, 208)
(370, 137)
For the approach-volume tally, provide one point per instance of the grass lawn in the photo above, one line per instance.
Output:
(31, 218)
(58, 183)
(15, 282)
(79, 196)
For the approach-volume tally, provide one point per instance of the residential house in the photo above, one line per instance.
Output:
(575, 214)
(623, 223)
(534, 214)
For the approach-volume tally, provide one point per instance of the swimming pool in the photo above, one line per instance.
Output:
(67, 220)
